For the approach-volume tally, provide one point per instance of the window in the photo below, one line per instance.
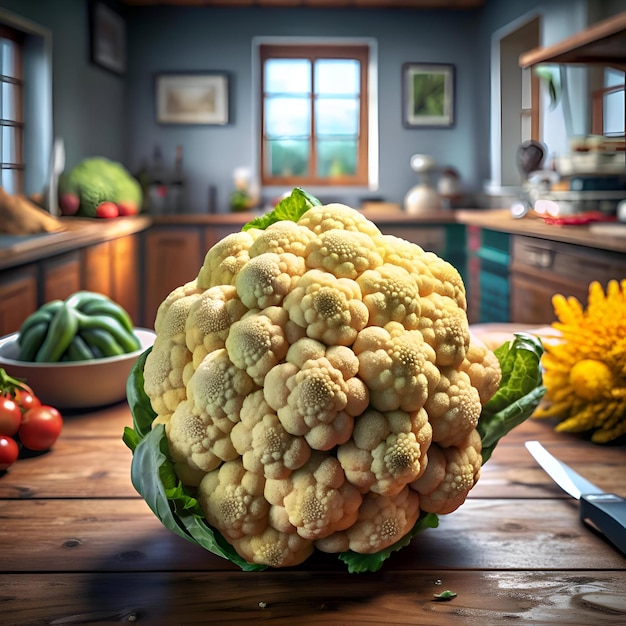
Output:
(314, 114)
(514, 101)
(11, 111)
(608, 105)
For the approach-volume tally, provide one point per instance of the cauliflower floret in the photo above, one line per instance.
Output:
(224, 260)
(171, 323)
(483, 368)
(329, 308)
(453, 408)
(311, 396)
(210, 318)
(335, 216)
(346, 254)
(274, 548)
(259, 341)
(263, 443)
(382, 521)
(198, 441)
(433, 274)
(218, 387)
(444, 326)
(316, 499)
(387, 450)
(165, 369)
(449, 476)
(232, 500)
(391, 294)
(281, 237)
(397, 366)
(266, 279)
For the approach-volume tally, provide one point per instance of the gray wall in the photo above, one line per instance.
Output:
(208, 38)
(97, 112)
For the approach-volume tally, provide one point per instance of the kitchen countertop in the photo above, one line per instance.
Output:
(77, 232)
(79, 546)
(582, 235)
(16, 251)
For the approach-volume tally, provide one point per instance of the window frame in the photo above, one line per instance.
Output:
(36, 102)
(16, 121)
(362, 50)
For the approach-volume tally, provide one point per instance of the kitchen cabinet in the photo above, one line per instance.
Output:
(488, 261)
(18, 298)
(541, 268)
(173, 257)
(61, 276)
(111, 267)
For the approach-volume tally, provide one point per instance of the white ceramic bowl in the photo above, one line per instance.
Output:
(78, 384)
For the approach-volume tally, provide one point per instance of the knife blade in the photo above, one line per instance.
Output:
(603, 511)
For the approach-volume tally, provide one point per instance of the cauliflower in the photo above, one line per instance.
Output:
(317, 387)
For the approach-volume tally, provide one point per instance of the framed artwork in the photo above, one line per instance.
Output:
(428, 95)
(108, 38)
(200, 98)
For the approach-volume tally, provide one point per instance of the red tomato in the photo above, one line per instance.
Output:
(107, 209)
(127, 207)
(24, 397)
(9, 451)
(10, 416)
(41, 427)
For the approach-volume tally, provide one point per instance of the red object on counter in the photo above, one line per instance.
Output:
(579, 218)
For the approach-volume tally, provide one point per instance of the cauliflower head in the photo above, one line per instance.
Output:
(319, 387)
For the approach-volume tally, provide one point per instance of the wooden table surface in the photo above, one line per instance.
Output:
(79, 546)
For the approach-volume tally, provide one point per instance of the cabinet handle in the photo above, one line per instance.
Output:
(540, 258)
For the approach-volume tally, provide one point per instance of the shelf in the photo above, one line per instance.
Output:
(602, 43)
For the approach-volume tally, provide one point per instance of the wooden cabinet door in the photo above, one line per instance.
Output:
(126, 284)
(61, 276)
(18, 298)
(97, 274)
(173, 257)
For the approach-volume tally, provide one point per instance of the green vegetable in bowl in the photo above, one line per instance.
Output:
(86, 325)
(317, 388)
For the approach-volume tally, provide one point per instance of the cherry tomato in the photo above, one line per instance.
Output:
(24, 397)
(9, 451)
(40, 427)
(10, 416)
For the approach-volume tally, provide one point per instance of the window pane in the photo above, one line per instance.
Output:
(9, 138)
(337, 76)
(287, 158)
(614, 114)
(7, 54)
(337, 117)
(8, 99)
(337, 158)
(287, 76)
(287, 117)
(11, 181)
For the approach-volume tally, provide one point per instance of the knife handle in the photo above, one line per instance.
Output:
(607, 512)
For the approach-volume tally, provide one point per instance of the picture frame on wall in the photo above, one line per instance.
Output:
(107, 38)
(428, 95)
(199, 98)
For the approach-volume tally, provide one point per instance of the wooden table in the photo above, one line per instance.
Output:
(79, 546)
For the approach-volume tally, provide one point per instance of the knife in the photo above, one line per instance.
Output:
(605, 512)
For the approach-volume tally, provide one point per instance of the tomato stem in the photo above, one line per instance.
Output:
(10, 384)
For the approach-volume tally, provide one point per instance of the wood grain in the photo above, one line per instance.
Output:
(225, 598)
(79, 546)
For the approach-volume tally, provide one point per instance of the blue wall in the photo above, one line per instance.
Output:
(97, 112)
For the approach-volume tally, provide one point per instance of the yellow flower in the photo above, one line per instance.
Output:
(585, 368)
